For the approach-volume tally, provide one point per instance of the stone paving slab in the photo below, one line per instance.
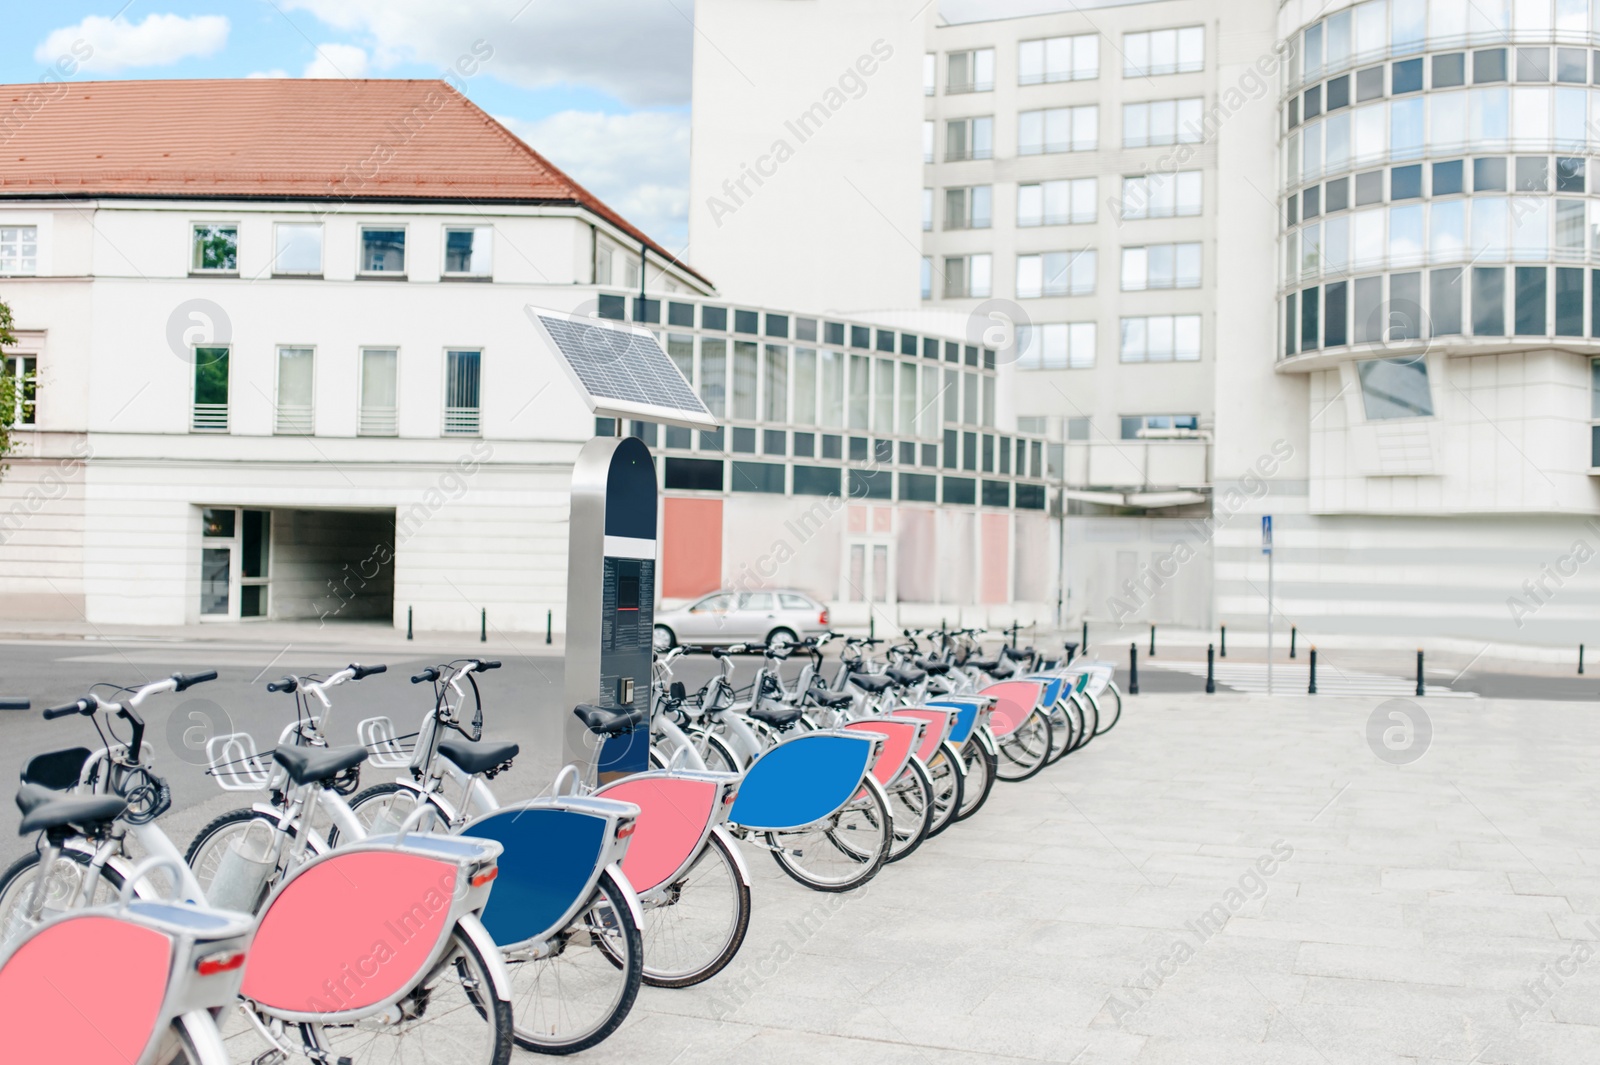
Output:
(1129, 906)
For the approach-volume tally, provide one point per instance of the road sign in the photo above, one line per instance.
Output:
(1266, 534)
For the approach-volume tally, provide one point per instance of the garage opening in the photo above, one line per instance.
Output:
(331, 565)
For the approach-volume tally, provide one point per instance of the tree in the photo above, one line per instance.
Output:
(8, 388)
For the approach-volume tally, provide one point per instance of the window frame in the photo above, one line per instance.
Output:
(405, 250)
(196, 270)
(322, 249)
(487, 274)
(19, 272)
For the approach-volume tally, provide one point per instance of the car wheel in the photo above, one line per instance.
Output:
(780, 638)
(663, 639)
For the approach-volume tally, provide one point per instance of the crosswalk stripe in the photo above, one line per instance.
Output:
(1293, 680)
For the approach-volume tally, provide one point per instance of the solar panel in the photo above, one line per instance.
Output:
(622, 372)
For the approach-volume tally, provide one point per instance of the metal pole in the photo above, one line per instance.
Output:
(1420, 690)
(1133, 669)
(549, 624)
(408, 623)
(1084, 643)
(1293, 633)
(1222, 644)
(1152, 641)
(1580, 660)
(483, 624)
(1211, 669)
(1311, 689)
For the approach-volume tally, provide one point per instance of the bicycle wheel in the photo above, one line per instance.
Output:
(451, 1017)
(948, 775)
(383, 808)
(715, 751)
(842, 851)
(209, 848)
(1116, 715)
(1061, 734)
(576, 992)
(1091, 717)
(192, 1039)
(62, 886)
(1023, 752)
(910, 809)
(693, 931)
(1073, 708)
(981, 765)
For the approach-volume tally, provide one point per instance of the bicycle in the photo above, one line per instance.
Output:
(690, 879)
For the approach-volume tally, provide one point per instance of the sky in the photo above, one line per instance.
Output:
(599, 87)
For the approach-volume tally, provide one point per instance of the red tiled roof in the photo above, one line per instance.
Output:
(311, 139)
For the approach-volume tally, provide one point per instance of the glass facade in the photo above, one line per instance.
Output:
(1434, 174)
(819, 406)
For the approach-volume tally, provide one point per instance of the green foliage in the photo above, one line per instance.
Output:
(8, 388)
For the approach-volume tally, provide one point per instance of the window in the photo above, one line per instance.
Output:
(758, 477)
(1056, 273)
(23, 370)
(1075, 58)
(968, 138)
(1445, 301)
(461, 378)
(1161, 266)
(216, 248)
(1057, 203)
(1488, 301)
(210, 412)
(927, 278)
(1163, 52)
(927, 210)
(883, 397)
(927, 141)
(1162, 122)
(714, 375)
(1059, 129)
(379, 392)
(745, 370)
(294, 413)
(1395, 388)
(1056, 346)
(971, 71)
(1142, 426)
(383, 250)
(967, 275)
(1161, 195)
(776, 391)
(297, 249)
(1161, 338)
(968, 208)
(466, 250)
(930, 73)
(19, 250)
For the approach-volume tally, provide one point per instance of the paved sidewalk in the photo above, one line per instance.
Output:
(1224, 879)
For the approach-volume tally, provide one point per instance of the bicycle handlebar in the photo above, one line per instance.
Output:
(428, 674)
(184, 681)
(358, 672)
(18, 703)
(483, 666)
(287, 684)
(77, 706)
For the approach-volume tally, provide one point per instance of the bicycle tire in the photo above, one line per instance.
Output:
(1073, 708)
(1091, 717)
(1026, 750)
(912, 790)
(213, 832)
(478, 992)
(1061, 734)
(867, 865)
(368, 795)
(1116, 694)
(180, 1047)
(979, 759)
(608, 893)
(16, 887)
(721, 847)
(946, 766)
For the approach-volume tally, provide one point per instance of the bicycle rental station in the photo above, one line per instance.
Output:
(375, 902)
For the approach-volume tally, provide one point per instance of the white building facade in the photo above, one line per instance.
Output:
(1320, 261)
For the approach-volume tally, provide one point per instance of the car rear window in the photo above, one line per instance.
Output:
(795, 602)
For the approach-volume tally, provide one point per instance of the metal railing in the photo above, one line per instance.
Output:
(461, 421)
(380, 421)
(294, 419)
(209, 418)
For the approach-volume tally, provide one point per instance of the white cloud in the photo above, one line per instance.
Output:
(118, 44)
(337, 61)
(638, 163)
(638, 53)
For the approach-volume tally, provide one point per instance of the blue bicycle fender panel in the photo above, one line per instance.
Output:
(1052, 688)
(966, 716)
(626, 752)
(549, 859)
(801, 781)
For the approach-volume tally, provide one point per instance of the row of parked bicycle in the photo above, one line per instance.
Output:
(420, 920)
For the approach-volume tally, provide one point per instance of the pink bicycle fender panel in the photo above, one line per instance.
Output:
(352, 930)
(938, 728)
(1014, 701)
(86, 991)
(896, 751)
(673, 815)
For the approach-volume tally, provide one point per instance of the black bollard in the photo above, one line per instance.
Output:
(1580, 660)
(1211, 669)
(408, 623)
(1084, 642)
(1311, 689)
(483, 624)
(872, 627)
(549, 624)
(1222, 651)
(1292, 632)
(1420, 687)
(1133, 669)
(1152, 641)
